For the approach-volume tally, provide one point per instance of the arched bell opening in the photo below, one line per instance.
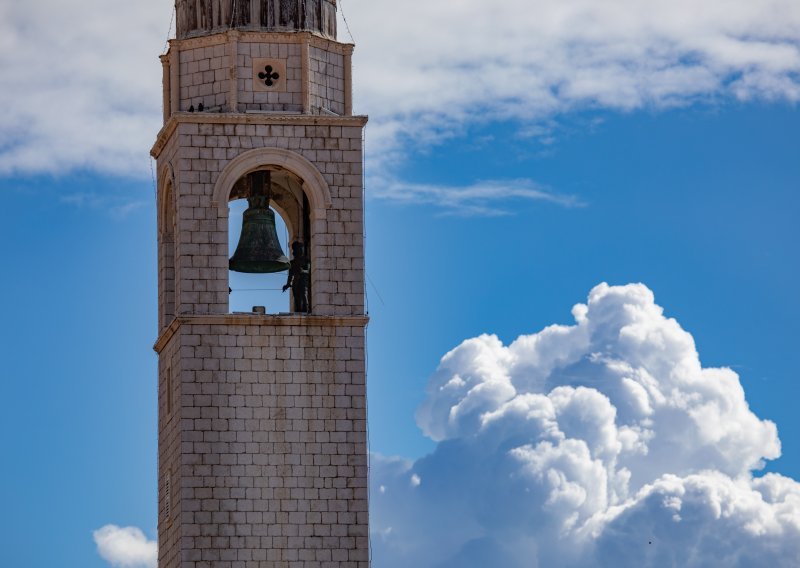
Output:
(269, 235)
(167, 289)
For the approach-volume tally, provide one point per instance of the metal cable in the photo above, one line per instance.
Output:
(169, 30)
(346, 25)
(153, 175)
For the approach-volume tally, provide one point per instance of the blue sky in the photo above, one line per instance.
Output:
(508, 174)
(699, 204)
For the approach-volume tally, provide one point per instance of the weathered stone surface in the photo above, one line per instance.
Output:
(201, 17)
(265, 442)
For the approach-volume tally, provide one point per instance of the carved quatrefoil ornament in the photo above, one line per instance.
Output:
(269, 75)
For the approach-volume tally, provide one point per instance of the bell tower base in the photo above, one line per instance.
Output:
(265, 443)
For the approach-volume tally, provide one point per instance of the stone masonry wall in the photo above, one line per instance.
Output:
(166, 277)
(273, 448)
(169, 456)
(337, 258)
(206, 65)
(205, 73)
(289, 99)
(326, 80)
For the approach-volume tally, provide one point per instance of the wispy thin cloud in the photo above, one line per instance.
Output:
(117, 206)
(490, 198)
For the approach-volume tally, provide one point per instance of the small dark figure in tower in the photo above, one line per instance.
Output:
(299, 277)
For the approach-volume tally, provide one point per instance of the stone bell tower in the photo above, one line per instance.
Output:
(262, 417)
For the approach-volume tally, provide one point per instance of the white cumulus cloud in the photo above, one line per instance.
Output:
(126, 547)
(603, 443)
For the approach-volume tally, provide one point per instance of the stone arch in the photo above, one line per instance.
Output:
(167, 240)
(310, 183)
(166, 200)
(314, 184)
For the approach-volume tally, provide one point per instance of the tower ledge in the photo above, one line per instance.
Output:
(247, 319)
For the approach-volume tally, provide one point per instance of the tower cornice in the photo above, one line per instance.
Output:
(250, 36)
(253, 319)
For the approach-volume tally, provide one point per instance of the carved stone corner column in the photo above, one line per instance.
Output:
(174, 78)
(305, 63)
(233, 55)
(348, 81)
(166, 102)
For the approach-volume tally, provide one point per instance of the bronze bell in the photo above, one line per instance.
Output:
(259, 250)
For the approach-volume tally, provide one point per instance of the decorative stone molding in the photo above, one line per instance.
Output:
(245, 36)
(269, 74)
(287, 320)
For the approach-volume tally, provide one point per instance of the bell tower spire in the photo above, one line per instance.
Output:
(262, 415)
